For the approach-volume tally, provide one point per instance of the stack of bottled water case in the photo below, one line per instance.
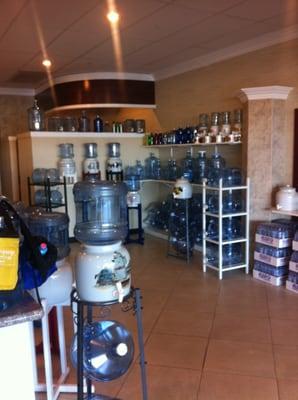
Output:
(292, 281)
(273, 251)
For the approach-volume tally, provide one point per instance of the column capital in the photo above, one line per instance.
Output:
(264, 93)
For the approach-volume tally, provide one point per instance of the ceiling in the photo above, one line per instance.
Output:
(155, 35)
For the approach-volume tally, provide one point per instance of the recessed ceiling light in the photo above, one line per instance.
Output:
(46, 63)
(113, 17)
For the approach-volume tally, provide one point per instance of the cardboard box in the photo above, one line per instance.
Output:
(270, 241)
(293, 266)
(273, 280)
(274, 261)
(293, 287)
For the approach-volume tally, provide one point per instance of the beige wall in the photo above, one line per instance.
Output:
(13, 120)
(13, 114)
(180, 99)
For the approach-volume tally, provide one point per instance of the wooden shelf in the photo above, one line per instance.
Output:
(293, 213)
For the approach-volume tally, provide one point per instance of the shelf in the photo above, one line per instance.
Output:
(225, 268)
(86, 135)
(43, 184)
(224, 188)
(53, 205)
(193, 144)
(293, 213)
(224, 242)
(156, 233)
(160, 234)
(157, 181)
(167, 182)
(236, 214)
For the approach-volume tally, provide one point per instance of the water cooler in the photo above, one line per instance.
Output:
(66, 164)
(102, 264)
(103, 350)
(91, 164)
(134, 204)
(114, 171)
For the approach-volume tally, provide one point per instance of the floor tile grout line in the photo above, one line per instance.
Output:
(238, 373)
(208, 342)
(272, 346)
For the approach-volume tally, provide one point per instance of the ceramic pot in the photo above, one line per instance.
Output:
(103, 273)
(287, 198)
(182, 189)
(57, 288)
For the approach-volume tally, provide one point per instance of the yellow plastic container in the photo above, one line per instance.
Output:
(9, 263)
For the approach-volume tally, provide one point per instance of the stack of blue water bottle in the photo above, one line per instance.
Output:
(169, 216)
(272, 252)
(292, 281)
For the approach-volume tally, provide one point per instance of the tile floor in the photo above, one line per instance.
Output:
(205, 340)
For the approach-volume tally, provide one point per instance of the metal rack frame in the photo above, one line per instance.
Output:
(47, 185)
(139, 231)
(220, 242)
(84, 313)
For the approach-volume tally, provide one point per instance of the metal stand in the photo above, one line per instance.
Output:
(85, 314)
(139, 231)
(47, 185)
(114, 176)
(188, 252)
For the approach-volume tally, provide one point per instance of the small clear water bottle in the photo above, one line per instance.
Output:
(188, 166)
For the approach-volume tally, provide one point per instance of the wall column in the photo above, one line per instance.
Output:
(263, 146)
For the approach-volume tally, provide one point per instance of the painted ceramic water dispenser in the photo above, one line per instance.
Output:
(102, 264)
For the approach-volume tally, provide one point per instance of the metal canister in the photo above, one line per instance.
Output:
(129, 125)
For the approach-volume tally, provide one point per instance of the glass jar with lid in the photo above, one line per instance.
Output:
(203, 124)
(84, 122)
(226, 123)
(237, 120)
(140, 125)
(55, 123)
(35, 118)
(129, 125)
(215, 121)
(69, 124)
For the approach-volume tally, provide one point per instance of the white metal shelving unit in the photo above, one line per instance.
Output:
(220, 215)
